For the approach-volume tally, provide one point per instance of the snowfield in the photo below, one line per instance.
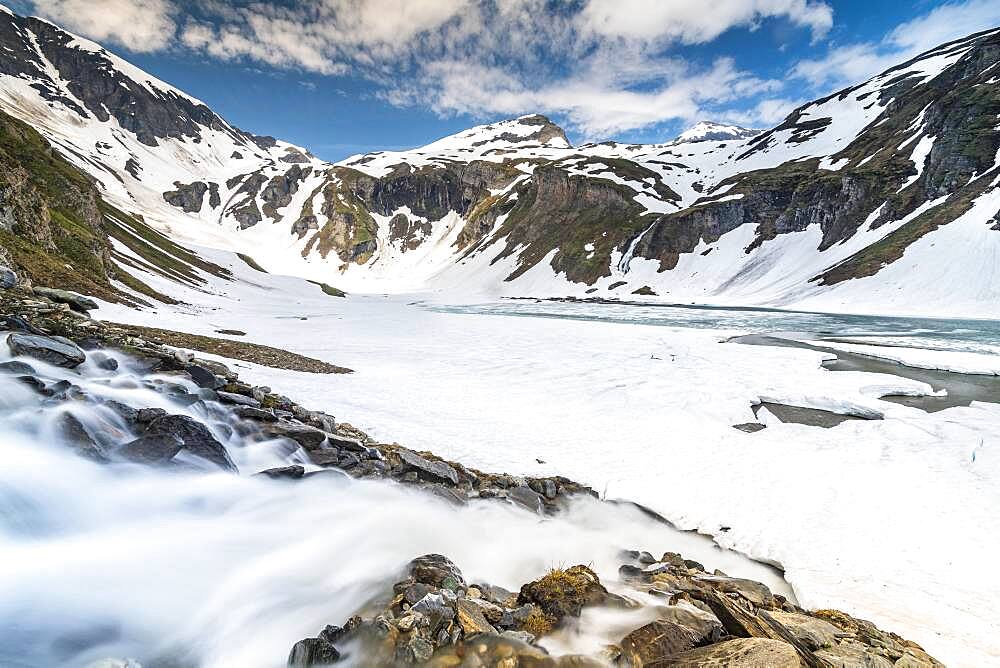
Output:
(888, 519)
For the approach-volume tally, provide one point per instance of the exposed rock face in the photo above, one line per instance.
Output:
(151, 112)
(189, 197)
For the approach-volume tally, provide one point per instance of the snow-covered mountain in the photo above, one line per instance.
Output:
(883, 196)
(709, 131)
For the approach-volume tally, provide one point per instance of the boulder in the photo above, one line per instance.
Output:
(738, 653)
(656, 640)
(76, 302)
(146, 415)
(564, 593)
(202, 377)
(259, 414)
(8, 278)
(283, 472)
(312, 652)
(238, 399)
(152, 449)
(17, 368)
(427, 469)
(527, 497)
(812, 632)
(309, 438)
(437, 571)
(198, 440)
(77, 437)
(52, 349)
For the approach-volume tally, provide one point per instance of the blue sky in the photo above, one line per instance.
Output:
(348, 76)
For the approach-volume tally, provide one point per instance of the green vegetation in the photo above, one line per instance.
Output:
(251, 262)
(329, 289)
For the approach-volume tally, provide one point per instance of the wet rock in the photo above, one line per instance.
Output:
(103, 361)
(78, 303)
(146, 415)
(251, 413)
(77, 437)
(198, 440)
(427, 469)
(17, 368)
(52, 349)
(238, 399)
(293, 472)
(309, 438)
(527, 497)
(152, 449)
(738, 653)
(125, 412)
(437, 571)
(202, 377)
(312, 652)
(656, 640)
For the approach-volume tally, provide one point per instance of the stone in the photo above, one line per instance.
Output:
(812, 632)
(527, 497)
(152, 449)
(104, 361)
(755, 592)
(471, 618)
(656, 640)
(17, 368)
(197, 438)
(737, 653)
(703, 623)
(54, 350)
(309, 438)
(77, 437)
(202, 377)
(8, 278)
(427, 469)
(238, 399)
(437, 571)
(293, 472)
(77, 302)
(435, 609)
(146, 415)
(312, 652)
(259, 414)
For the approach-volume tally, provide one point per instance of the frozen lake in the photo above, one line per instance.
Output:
(884, 518)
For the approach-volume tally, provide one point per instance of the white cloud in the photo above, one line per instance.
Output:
(591, 100)
(603, 65)
(852, 63)
(695, 21)
(138, 25)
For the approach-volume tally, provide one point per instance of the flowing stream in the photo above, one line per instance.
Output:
(189, 566)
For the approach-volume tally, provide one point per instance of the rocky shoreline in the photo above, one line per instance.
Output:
(432, 616)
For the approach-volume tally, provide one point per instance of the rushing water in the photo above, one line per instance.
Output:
(951, 334)
(193, 567)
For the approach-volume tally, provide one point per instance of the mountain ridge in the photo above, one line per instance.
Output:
(815, 212)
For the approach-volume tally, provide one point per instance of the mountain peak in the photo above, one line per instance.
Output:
(712, 131)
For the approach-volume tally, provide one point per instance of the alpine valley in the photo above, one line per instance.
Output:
(768, 355)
